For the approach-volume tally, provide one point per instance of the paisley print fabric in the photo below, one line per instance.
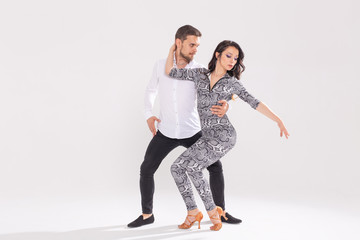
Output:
(219, 136)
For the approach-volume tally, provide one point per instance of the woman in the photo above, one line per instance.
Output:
(220, 81)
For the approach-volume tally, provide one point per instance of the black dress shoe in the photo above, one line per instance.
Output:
(140, 221)
(230, 219)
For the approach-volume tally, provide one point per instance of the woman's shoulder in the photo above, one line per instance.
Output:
(230, 78)
(200, 70)
(234, 81)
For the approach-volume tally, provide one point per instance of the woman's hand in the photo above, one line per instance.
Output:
(172, 49)
(170, 59)
(262, 108)
(283, 130)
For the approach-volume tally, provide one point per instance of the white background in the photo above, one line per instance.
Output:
(72, 80)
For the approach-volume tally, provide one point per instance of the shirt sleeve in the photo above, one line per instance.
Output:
(186, 73)
(240, 90)
(151, 93)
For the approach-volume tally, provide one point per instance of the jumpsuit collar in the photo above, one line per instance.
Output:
(226, 75)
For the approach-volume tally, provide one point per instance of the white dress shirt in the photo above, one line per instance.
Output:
(178, 111)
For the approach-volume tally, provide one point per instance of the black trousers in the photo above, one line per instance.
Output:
(159, 147)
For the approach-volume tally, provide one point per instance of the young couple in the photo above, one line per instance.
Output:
(193, 103)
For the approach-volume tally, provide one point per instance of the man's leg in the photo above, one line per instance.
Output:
(217, 185)
(159, 147)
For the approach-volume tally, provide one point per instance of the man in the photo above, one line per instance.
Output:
(179, 123)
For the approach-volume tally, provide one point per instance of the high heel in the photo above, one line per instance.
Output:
(185, 225)
(216, 216)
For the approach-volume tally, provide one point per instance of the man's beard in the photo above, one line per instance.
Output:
(187, 58)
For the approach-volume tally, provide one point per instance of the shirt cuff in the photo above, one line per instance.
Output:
(148, 114)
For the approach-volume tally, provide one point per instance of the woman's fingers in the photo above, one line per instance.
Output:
(285, 133)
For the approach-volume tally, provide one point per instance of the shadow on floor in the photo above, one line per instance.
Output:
(110, 233)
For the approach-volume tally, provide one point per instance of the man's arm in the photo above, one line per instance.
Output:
(149, 100)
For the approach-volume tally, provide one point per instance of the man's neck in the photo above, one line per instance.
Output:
(180, 61)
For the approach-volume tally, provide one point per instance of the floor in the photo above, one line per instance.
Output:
(106, 219)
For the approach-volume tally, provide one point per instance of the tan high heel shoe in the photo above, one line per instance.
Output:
(216, 217)
(185, 225)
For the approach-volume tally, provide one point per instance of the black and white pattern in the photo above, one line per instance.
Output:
(219, 136)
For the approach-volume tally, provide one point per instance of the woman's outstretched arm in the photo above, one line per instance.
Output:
(240, 90)
(262, 108)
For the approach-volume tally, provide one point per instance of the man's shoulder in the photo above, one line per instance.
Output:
(160, 64)
(195, 64)
(161, 61)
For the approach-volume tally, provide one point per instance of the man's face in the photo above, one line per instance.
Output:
(188, 47)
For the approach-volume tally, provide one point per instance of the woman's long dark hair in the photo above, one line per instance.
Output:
(239, 66)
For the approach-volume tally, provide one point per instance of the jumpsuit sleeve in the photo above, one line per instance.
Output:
(240, 90)
(189, 74)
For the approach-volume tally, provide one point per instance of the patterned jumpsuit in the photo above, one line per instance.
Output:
(218, 137)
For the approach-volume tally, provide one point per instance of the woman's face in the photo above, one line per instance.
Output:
(228, 58)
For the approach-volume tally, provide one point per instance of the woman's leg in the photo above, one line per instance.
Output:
(199, 156)
(178, 171)
(216, 179)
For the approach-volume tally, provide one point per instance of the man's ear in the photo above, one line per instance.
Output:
(178, 43)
